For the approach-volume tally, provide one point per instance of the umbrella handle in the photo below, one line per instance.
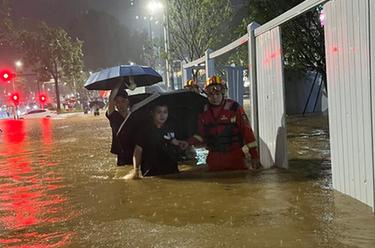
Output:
(131, 85)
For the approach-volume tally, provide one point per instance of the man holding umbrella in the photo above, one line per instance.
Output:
(116, 78)
(225, 129)
(118, 110)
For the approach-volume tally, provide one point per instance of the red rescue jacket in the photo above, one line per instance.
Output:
(225, 128)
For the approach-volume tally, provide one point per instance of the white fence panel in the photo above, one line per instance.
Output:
(372, 57)
(349, 88)
(271, 107)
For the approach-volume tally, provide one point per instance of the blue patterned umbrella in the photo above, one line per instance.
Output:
(107, 79)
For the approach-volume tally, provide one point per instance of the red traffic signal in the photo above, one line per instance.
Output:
(15, 97)
(42, 98)
(6, 75)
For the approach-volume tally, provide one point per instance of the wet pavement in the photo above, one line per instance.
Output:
(59, 187)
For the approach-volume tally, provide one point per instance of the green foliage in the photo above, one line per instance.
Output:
(54, 54)
(302, 38)
(196, 25)
(153, 54)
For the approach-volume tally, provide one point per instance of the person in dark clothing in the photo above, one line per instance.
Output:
(118, 110)
(156, 147)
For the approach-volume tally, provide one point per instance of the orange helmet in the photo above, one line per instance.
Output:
(191, 83)
(215, 84)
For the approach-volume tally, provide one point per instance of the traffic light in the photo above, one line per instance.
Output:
(7, 75)
(42, 98)
(15, 97)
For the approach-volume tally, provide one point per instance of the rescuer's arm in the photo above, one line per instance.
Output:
(251, 145)
(197, 139)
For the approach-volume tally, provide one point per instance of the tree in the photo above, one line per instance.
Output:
(196, 25)
(303, 37)
(7, 32)
(153, 53)
(54, 54)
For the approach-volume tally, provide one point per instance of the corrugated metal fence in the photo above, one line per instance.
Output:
(347, 34)
(350, 52)
(271, 106)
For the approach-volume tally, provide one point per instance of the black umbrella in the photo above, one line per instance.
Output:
(109, 78)
(134, 99)
(184, 106)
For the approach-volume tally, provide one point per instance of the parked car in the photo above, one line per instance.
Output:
(39, 113)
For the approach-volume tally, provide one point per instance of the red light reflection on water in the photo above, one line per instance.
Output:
(28, 191)
(46, 132)
(13, 132)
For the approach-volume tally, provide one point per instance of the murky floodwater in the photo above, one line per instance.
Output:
(59, 187)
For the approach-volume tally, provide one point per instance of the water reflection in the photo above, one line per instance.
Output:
(46, 134)
(30, 198)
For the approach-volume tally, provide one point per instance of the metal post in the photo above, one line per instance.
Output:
(187, 74)
(166, 45)
(210, 64)
(16, 117)
(252, 77)
(183, 73)
(150, 29)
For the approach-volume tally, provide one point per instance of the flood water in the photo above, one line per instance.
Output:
(59, 187)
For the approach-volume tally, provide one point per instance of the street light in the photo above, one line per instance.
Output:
(18, 64)
(155, 7)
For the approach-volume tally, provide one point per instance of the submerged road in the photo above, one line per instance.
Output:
(59, 187)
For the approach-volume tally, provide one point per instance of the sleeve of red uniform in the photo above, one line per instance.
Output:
(247, 132)
(197, 139)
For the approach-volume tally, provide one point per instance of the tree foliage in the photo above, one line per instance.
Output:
(153, 54)
(302, 38)
(196, 25)
(54, 54)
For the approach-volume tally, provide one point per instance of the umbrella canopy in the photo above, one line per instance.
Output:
(109, 78)
(134, 99)
(184, 106)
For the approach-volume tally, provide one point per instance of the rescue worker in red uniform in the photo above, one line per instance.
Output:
(225, 129)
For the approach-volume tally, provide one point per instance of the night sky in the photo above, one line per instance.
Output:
(60, 12)
(107, 27)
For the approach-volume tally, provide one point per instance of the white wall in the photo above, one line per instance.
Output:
(271, 106)
(350, 97)
(372, 57)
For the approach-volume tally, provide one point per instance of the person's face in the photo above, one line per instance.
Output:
(160, 115)
(122, 104)
(215, 97)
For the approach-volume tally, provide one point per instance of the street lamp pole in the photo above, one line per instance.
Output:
(163, 5)
(150, 30)
(18, 65)
(166, 44)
